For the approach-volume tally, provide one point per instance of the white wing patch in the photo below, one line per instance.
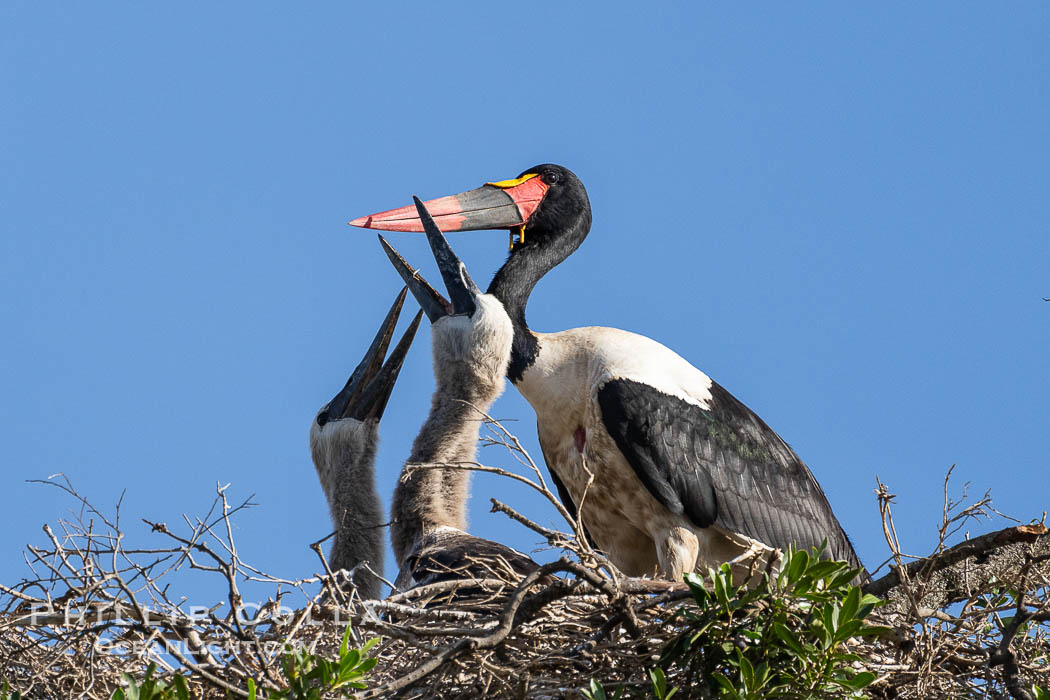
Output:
(611, 353)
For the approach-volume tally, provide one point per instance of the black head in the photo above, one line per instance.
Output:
(563, 218)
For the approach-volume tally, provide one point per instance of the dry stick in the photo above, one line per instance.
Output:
(472, 639)
(946, 661)
(447, 587)
(978, 546)
(170, 648)
(512, 443)
(981, 548)
(577, 524)
(224, 567)
(329, 578)
(1002, 654)
(231, 570)
(478, 467)
(554, 538)
(432, 613)
(366, 566)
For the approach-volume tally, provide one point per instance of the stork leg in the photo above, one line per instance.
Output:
(677, 550)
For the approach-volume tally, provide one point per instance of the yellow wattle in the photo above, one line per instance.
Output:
(506, 184)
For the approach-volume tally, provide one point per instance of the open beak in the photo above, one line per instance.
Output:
(461, 288)
(366, 393)
(496, 205)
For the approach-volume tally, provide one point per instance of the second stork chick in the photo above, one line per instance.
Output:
(344, 437)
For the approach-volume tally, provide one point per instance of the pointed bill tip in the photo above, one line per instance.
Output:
(344, 403)
(429, 299)
(376, 395)
(429, 226)
(414, 326)
(461, 288)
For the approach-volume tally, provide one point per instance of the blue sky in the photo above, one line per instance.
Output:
(838, 212)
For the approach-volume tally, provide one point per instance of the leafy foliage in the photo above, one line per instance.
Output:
(596, 691)
(7, 694)
(312, 678)
(786, 637)
(153, 688)
(660, 690)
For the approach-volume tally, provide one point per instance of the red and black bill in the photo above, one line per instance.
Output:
(495, 205)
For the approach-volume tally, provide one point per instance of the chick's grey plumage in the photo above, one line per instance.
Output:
(470, 356)
(472, 336)
(344, 438)
(344, 454)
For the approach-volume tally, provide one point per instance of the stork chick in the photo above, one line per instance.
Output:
(472, 336)
(343, 441)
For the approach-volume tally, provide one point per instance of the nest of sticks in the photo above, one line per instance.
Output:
(971, 619)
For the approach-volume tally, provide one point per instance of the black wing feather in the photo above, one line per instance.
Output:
(722, 465)
(454, 555)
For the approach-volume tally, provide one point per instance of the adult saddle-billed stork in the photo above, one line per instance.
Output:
(674, 473)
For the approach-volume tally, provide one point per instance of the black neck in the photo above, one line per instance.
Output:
(515, 281)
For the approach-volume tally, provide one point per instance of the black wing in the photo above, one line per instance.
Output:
(722, 465)
(447, 556)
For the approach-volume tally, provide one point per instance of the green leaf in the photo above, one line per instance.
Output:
(850, 605)
(823, 569)
(818, 630)
(830, 614)
(182, 689)
(868, 603)
(873, 631)
(727, 685)
(747, 671)
(133, 688)
(754, 635)
(797, 565)
(345, 644)
(251, 689)
(718, 583)
(843, 578)
(788, 638)
(861, 680)
(694, 580)
(596, 691)
(659, 683)
(847, 630)
(761, 675)
(349, 660)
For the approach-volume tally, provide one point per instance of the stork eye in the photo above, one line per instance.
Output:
(550, 177)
